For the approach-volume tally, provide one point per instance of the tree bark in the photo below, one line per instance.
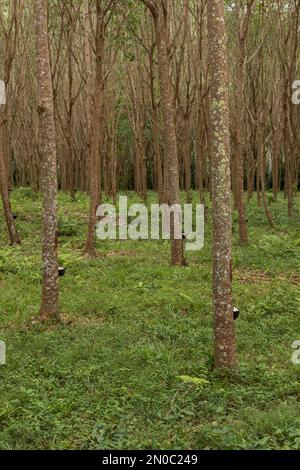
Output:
(47, 142)
(239, 157)
(225, 343)
(96, 134)
(11, 226)
(171, 174)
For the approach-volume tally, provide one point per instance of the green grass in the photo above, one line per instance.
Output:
(124, 373)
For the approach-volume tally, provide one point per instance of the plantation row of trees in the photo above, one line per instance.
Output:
(263, 64)
(104, 95)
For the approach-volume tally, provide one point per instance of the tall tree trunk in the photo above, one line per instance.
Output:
(225, 342)
(96, 134)
(158, 164)
(262, 174)
(275, 166)
(239, 157)
(8, 50)
(171, 176)
(157, 155)
(12, 231)
(89, 89)
(49, 305)
(187, 159)
(69, 130)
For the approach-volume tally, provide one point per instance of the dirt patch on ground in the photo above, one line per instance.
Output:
(84, 321)
(293, 279)
(246, 276)
(122, 253)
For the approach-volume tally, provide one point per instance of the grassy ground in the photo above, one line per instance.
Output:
(113, 377)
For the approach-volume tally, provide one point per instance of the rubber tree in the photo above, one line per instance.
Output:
(225, 355)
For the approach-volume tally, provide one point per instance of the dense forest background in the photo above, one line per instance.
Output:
(263, 60)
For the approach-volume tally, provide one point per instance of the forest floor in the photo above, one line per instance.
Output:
(120, 373)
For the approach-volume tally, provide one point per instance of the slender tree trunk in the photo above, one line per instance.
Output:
(49, 305)
(158, 164)
(275, 166)
(200, 159)
(239, 157)
(187, 159)
(157, 155)
(89, 89)
(225, 342)
(96, 135)
(12, 231)
(261, 172)
(167, 102)
(69, 130)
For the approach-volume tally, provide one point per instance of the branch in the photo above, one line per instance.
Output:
(151, 5)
